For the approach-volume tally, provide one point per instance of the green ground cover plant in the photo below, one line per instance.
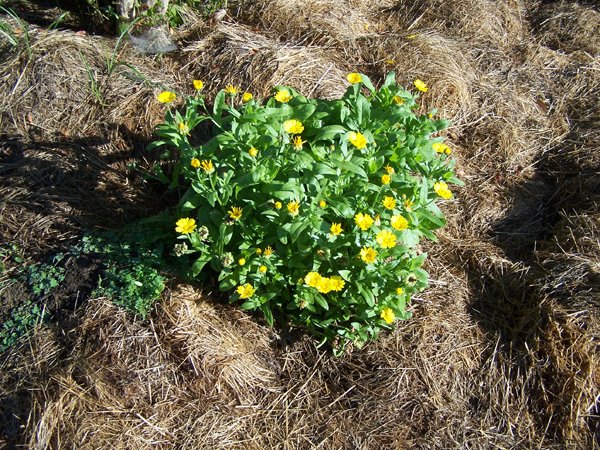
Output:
(309, 208)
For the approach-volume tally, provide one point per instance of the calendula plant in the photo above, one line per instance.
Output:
(312, 209)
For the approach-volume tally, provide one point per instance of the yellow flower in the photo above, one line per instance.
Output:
(337, 283)
(389, 202)
(166, 97)
(298, 142)
(398, 100)
(283, 96)
(399, 222)
(258, 251)
(268, 251)
(278, 205)
(441, 148)
(246, 97)
(324, 285)
(262, 269)
(390, 61)
(357, 139)
(368, 254)
(441, 189)
(420, 85)
(293, 208)
(364, 221)
(241, 261)
(235, 212)
(388, 315)
(183, 128)
(195, 163)
(386, 179)
(408, 203)
(399, 291)
(231, 89)
(185, 225)
(293, 126)
(353, 78)
(253, 152)
(336, 229)
(390, 170)
(207, 166)
(245, 291)
(386, 239)
(322, 204)
(312, 279)
(198, 84)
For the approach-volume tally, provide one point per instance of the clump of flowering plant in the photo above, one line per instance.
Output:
(313, 209)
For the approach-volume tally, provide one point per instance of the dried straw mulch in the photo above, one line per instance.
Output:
(502, 350)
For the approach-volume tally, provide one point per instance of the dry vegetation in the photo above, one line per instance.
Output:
(502, 352)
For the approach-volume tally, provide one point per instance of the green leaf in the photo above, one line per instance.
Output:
(199, 264)
(322, 302)
(344, 165)
(219, 106)
(266, 310)
(366, 293)
(329, 132)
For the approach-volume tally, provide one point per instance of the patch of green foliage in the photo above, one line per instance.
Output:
(311, 209)
(22, 319)
(44, 278)
(131, 277)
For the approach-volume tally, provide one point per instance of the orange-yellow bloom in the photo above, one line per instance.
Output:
(245, 291)
(388, 315)
(441, 189)
(185, 225)
(246, 97)
(166, 97)
(235, 212)
(357, 139)
(283, 96)
(293, 208)
(353, 78)
(207, 166)
(336, 229)
(198, 84)
(399, 222)
(195, 163)
(386, 179)
(420, 85)
(368, 255)
(386, 239)
(293, 126)
(389, 202)
(363, 221)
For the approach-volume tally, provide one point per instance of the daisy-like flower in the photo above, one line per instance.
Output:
(207, 166)
(389, 202)
(293, 208)
(386, 179)
(312, 279)
(185, 225)
(322, 204)
(408, 203)
(245, 291)
(324, 285)
(268, 251)
(195, 163)
(420, 85)
(246, 97)
(353, 78)
(298, 142)
(440, 147)
(336, 229)
(166, 97)
(337, 283)
(283, 96)
(253, 152)
(235, 212)
(388, 315)
(441, 189)
(357, 139)
(293, 126)
(262, 269)
(399, 222)
(198, 84)
(398, 100)
(386, 239)
(231, 89)
(363, 221)
(368, 254)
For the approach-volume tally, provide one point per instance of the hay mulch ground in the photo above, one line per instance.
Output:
(502, 351)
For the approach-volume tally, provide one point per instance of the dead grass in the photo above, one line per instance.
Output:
(501, 352)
